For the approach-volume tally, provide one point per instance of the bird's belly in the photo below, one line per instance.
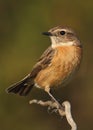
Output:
(54, 75)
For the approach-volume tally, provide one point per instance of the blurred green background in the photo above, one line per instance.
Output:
(21, 44)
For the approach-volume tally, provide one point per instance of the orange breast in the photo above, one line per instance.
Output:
(64, 64)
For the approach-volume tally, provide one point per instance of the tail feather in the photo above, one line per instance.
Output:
(22, 87)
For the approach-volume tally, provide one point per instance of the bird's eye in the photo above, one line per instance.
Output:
(62, 32)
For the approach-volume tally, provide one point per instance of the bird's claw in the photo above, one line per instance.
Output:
(52, 110)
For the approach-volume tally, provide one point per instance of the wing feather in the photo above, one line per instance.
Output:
(43, 62)
(24, 86)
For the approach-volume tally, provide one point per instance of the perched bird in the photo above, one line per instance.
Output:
(56, 65)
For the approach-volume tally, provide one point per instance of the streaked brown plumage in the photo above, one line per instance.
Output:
(57, 64)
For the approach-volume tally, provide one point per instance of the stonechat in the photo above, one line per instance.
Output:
(56, 65)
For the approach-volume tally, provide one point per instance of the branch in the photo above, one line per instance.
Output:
(66, 112)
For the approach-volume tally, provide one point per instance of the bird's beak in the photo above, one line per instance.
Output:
(47, 33)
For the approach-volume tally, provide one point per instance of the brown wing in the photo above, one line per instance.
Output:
(24, 86)
(43, 62)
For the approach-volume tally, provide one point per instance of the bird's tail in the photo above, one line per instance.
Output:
(22, 87)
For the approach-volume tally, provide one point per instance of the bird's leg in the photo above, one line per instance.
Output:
(47, 89)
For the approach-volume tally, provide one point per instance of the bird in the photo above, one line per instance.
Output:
(56, 66)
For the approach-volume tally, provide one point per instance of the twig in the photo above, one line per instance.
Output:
(66, 112)
(69, 116)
